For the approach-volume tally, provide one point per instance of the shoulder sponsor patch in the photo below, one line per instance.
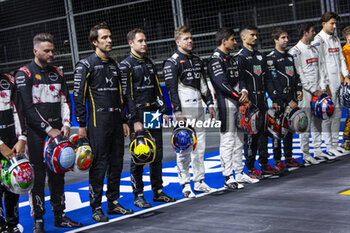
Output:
(316, 44)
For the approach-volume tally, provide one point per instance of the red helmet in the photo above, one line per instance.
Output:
(276, 124)
(83, 153)
(249, 120)
(59, 154)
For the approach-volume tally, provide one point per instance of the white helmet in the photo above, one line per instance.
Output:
(297, 119)
(17, 175)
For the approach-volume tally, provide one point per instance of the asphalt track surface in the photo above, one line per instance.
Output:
(311, 199)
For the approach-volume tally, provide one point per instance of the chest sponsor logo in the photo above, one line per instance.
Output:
(4, 84)
(147, 80)
(109, 81)
(257, 69)
(38, 76)
(289, 70)
(311, 60)
(53, 76)
(270, 62)
(259, 57)
(333, 50)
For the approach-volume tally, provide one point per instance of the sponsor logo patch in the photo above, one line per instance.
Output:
(38, 76)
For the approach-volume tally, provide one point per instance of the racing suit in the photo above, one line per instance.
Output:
(47, 105)
(253, 70)
(330, 50)
(143, 94)
(224, 75)
(286, 82)
(310, 68)
(11, 127)
(185, 80)
(346, 136)
(97, 82)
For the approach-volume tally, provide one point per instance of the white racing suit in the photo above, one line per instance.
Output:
(186, 84)
(312, 76)
(331, 52)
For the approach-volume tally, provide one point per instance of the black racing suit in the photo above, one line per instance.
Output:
(224, 75)
(143, 94)
(11, 127)
(186, 83)
(47, 105)
(97, 82)
(253, 70)
(286, 83)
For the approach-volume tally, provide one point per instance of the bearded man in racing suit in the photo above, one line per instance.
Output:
(224, 75)
(97, 81)
(311, 70)
(330, 50)
(288, 91)
(47, 107)
(143, 94)
(12, 142)
(185, 80)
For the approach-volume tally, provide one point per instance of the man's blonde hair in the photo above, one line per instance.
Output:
(346, 31)
(181, 30)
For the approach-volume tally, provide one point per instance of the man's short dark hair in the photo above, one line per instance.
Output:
(223, 33)
(328, 16)
(131, 35)
(277, 32)
(304, 27)
(42, 37)
(247, 28)
(93, 36)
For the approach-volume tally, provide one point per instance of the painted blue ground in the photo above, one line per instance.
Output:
(77, 195)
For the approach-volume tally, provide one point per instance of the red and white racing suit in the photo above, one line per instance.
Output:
(331, 52)
(312, 74)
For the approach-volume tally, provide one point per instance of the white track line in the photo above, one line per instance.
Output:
(141, 212)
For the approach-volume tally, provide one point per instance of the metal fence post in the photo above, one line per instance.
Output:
(173, 6)
(71, 32)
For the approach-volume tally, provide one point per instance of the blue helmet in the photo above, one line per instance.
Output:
(183, 140)
(322, 107)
